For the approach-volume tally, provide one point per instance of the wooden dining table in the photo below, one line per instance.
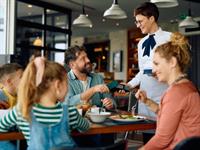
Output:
(108, 126)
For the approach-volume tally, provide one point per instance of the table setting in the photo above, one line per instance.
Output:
(99, 115)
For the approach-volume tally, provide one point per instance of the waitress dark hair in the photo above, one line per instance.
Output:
(147, 9)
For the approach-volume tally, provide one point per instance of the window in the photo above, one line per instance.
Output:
(42, 28)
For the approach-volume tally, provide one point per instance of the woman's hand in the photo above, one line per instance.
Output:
(141, 95)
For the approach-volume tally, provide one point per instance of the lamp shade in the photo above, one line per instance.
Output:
(82, 21)
(188, 22)
(37, 42)
(115, 12)
(165, 3)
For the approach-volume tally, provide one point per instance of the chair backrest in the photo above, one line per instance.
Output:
(192, 143)
(131, 101)
(120, 145)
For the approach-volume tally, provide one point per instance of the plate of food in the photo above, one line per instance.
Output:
(127, 118)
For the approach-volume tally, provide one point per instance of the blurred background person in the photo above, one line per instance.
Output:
(10, 75)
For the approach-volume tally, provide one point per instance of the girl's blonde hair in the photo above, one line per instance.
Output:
(29, 93)
(177, 47)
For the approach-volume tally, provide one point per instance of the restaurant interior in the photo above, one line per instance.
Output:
(49, 27)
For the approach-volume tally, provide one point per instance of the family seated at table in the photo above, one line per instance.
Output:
(45, 106)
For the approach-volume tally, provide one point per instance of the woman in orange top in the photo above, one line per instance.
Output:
(178, 112)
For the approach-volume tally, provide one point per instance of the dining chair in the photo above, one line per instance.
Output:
(132, 101)
(132, 104)
(120, 145)
(192, 143)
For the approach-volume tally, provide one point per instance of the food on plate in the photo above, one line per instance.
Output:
(126, 117)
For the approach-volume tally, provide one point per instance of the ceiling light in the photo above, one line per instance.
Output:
(48, 10)
(115, 12)
(82, 20)
(37, 42)
(30, 6)
(165, 3)
(188, 22)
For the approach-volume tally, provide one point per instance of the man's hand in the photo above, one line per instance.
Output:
(102, 88)
(107, 102)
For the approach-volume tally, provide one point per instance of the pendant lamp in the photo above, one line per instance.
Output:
(37, 42)
(188, 22)
(115, 12)
(82, 20)
(165, 3)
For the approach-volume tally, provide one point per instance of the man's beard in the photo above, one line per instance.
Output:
(84, 70)
(87, 69)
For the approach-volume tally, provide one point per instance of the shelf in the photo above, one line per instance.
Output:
(134, 36)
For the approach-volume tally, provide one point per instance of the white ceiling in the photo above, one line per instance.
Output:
(96, 8)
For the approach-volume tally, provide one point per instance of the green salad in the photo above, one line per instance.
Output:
(127, 117)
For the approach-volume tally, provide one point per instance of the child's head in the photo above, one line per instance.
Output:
(41, 78)
(10, 75)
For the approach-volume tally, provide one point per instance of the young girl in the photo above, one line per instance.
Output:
(39, 114)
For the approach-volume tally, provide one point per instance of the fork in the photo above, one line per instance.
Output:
(101, 108)
(133, 108)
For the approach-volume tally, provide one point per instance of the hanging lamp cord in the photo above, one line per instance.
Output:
(115, 2)
(83, 9)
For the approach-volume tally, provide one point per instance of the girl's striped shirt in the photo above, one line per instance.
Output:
(45, 115)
